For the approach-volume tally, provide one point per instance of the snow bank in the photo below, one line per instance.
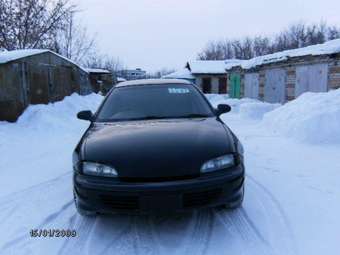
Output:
(312, 118)
(245, 107)
(255, 110)
(55, 116)
(216, 99)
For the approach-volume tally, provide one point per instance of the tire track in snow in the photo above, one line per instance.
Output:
(112, 234)
(47, 220)
(281, 211)
(237, 221)
(254, 227)
(5, 200)
(83, 227)
(118, 238)
(202, 232)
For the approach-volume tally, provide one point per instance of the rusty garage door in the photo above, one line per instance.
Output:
(311, 78)
(251, 85)
(274, 87)
(38, 84)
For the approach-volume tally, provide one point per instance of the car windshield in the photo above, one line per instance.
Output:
(154, 102)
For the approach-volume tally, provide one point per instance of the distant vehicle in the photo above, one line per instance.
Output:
(157, 146)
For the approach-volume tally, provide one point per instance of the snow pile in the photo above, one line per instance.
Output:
(59, 115)
(255, 110)
(312, 118)
(246, 107)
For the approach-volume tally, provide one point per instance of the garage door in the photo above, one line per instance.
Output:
(274, 87)
(251, 85)
(311, 78)
(235, 85)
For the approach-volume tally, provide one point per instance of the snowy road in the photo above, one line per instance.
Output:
(291, 204)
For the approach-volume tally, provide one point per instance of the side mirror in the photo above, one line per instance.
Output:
(85, 115)
(222, 108)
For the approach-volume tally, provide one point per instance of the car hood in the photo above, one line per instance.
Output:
(157, 149)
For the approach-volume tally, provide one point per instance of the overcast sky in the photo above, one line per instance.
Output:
(154, 34)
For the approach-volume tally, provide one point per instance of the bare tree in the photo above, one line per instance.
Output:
(333, 33)
(113, 64)
(73, 41)
(295, 36)
(31, 23)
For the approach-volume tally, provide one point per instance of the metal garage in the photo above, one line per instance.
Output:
(312, 78)
(251, 85)
(275, 85)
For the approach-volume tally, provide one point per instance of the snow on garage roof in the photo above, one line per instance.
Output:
(121, 79)
(207, 66)
(151, 82)
(212, 66)
(97, 70)
(180, 74)
(326, 48)
(8, 56)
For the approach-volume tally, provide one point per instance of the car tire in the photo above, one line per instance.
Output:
(237, 204)
(82, 212)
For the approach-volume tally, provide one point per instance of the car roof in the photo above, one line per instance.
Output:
(151, 82)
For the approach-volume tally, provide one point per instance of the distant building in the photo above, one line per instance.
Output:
(134, 74)
(36, 76)
(120, 79)
(101, 79)
(209, 75)
(184, 74)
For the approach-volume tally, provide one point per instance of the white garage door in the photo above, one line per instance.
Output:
(251, 85)
(311, 78)
(274, 87)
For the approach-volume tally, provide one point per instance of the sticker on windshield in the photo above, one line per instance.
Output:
(178, 90)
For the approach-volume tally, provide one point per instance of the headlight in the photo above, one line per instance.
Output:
(218, 163)
(240, 149)
(91, 168)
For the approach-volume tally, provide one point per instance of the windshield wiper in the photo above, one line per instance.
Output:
(194, 115)
(155, 117)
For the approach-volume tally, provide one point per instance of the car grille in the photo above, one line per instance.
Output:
(121, 202)
(195, 199)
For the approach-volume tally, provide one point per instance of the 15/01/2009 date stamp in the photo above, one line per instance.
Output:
(53, 233)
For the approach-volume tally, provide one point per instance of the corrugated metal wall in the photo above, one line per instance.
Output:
(251, 85)
(312, 78)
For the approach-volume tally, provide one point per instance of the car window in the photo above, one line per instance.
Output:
(154, 101)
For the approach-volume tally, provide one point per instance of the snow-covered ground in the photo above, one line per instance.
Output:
(292, 202)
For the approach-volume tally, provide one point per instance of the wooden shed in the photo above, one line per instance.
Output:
(101, 79)
(209, 75)
(37, 77)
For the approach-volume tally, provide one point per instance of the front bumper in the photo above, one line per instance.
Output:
(102, 194)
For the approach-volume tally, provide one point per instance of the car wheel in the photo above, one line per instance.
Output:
(82, 212)
(236, 204)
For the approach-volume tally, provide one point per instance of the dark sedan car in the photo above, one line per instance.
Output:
(157, 146)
